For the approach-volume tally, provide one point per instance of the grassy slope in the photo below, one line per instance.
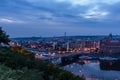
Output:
(20, 65)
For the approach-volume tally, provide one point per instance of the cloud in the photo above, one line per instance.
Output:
(6, 20)
(56, 11)
(95, 13)
(89, 2)
(75, 15)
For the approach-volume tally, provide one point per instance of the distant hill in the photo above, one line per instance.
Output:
(61, 37)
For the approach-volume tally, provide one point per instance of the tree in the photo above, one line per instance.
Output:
(3, 36)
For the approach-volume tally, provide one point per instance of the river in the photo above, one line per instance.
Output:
(94, 70)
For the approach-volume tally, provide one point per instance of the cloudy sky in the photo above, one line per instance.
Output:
(24, 18)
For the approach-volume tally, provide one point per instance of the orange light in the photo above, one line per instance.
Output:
(110, 63)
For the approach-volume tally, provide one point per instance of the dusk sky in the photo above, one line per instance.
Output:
(26, 18)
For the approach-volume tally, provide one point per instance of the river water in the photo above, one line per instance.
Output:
(92, 70)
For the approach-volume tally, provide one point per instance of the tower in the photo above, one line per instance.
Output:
(68, 46)
(54, 45)
(65, 38)
(65, 34)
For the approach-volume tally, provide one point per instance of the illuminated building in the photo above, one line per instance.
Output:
(110, 45)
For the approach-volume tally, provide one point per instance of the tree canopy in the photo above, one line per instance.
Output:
(3, 36)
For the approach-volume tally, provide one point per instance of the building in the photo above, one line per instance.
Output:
(110, 45)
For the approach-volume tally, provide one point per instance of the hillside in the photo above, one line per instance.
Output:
(18, 64)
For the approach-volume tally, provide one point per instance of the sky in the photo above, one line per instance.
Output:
(28, 18)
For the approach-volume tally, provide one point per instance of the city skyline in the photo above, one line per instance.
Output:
(26, 18)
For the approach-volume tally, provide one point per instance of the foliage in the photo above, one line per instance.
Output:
(23, 74)
(3, 36)
(30, 69)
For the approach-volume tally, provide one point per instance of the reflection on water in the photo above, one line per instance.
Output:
(110, 65)
(95, 70)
